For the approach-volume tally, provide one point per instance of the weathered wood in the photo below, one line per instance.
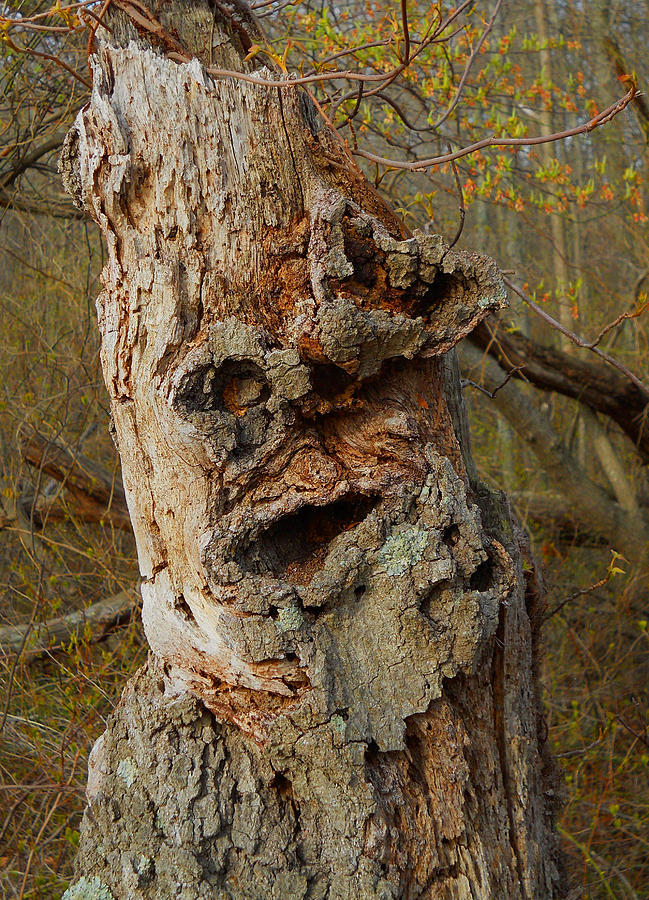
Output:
(318, 569)
(93, 623)
(95, 494)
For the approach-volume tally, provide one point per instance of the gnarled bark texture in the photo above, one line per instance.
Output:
(341, 699)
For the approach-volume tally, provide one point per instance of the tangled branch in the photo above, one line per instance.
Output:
(377, 82)
(579, 341)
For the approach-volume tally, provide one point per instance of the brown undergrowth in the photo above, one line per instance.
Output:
(595, 677)
(596, 664)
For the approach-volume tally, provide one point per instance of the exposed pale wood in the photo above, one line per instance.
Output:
(319, 570)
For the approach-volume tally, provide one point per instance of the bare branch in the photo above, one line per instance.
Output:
(588, 381)
(462, 208)
(583, 592)
(57, 210)
(98, 495)
(467, 68)
(52, 143)
(580, 342)
(594, 510)
(98, 20)
(93, 623)
(618, 321)
(406, 31)
(466, 382)
(49, 57)
(600, 119)
(622, 69)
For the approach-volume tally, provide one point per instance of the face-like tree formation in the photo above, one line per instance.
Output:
(270, 349)
(315, 563)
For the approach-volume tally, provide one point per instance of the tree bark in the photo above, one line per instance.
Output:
(341, 699)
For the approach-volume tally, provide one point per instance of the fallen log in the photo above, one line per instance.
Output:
(33, 640)
(551, 369)
(96, 494)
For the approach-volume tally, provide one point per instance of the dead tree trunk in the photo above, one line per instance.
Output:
(341, 699)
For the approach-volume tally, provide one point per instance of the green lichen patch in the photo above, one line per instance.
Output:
(339, 724)
(127, 770)
(403, 550)
(290, 619)
(144, 868)
(88, 889)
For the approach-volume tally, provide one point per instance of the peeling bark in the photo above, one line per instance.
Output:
(341, 699)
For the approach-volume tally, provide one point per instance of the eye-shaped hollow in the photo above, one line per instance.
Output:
(234, 386)
(226, 403)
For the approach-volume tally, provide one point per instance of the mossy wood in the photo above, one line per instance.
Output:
(341, 698)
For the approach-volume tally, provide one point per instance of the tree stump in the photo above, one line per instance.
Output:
(341, 699)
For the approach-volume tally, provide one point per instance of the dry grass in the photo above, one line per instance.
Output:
(59, 707)
(596, 676)
(596, 685)
(596, 669)
(52, 710)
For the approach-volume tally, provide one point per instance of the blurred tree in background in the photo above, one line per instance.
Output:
(567, 434)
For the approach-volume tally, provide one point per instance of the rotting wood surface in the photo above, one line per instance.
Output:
(319, 571)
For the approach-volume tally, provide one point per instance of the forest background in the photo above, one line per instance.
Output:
(563, 429)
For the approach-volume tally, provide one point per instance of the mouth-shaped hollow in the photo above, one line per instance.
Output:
(295, 546)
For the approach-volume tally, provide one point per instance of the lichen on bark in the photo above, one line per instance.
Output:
(341, 700)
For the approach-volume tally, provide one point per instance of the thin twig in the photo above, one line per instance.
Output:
(30, 858)
(638, 737)
(354, 112)
(277, 9)
(52, 143)
(28, 20)
(462, 208)
(466, 382)
(582, 592)
(600, 119)
(467, 68)
(568, 753)
(93, 31)
(348, 52)
(50, 29)
(579, 341)
(50, 58)
(621, 318)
